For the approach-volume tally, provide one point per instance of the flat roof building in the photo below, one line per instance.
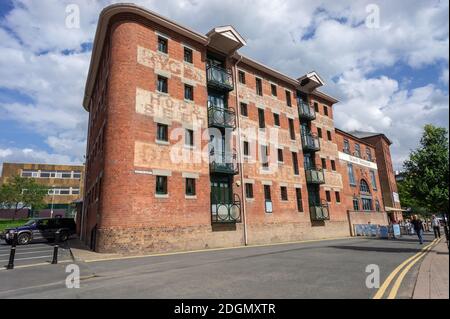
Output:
(192, 145)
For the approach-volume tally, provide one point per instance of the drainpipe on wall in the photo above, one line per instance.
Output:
(241, 164)
(83, 210)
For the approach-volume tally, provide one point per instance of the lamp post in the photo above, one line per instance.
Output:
(53, 197)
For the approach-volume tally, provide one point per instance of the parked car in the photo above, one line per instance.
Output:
(45, 228)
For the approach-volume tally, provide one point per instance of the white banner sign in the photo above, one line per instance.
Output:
(396, 197)
(356, 160)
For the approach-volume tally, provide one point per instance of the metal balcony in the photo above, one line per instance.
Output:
(315, 176)
(220, 117)
(310, 142)
(226, 211)
(319, 212)
(223, 162)
(219, 78)
(305, 111)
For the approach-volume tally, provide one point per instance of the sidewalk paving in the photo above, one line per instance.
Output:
(80, 252)
(433, 278)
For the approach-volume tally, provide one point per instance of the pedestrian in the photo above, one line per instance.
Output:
(436, 224)
(418, 227)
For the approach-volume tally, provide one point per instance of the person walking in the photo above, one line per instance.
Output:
(418, 227)
(436, 224)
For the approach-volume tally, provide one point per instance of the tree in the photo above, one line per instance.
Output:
(22, 192)
(427, 173)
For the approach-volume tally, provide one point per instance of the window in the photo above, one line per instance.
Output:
(338, 197)
(64, 191)
(374, 180)
(329, 135)
(265, 156)
(75, 191)
(162, 84)
(346, 146)
(280, 155)
(351, 174)
(319, 132)
(364, 187)
(355, 204)
(77, 175)
(189, 137)
(262, 121)
(288, 98)
(324, 163)
(161, 185)
(190, 187)
(267, 195)
(298, 193)
(246, 148)
(249, 190)
(162, 45)
(284, 193)
(316, 106)
(45, 174)
(291, 129)
(242, 77)
(259, 89)
(162, 132)
(295, 163)
(189, 92)
(369, 154)
(333, 165)
(328, 196)
(66, 174)
(273, 89)
(276, 119)
(188, 56)
(366, 204)
(244, 109)
(325, 110)
(357, 150)
(27, 173)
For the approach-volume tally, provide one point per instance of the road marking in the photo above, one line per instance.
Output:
(26, 258)
(398, 282)
(28, 252)
(38, 264)
(214, 249)
(392, 275)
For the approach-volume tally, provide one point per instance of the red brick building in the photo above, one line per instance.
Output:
(192, 145)
(386, 172)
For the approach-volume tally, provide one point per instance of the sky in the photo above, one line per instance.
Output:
(385, 61)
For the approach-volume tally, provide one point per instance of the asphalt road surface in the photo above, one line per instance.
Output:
(321, 269)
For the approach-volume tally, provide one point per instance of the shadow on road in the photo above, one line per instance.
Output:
(379, 249)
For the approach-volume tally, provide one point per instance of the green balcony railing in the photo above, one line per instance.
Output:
(226, 211)
(310, 142)
(315, 176)
(220, 117)
(223, 162)
(319, 212)
(305, 111)
(219, 78)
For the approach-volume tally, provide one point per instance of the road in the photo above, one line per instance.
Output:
(320, 269)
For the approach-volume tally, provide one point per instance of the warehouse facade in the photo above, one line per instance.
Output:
(192, 145)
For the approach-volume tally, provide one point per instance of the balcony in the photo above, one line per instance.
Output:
(220, 117)
(315, 176)
(223, 211)
(310, 142)
(319, 212)
(305, 111)
(223, 163)
(219, 78)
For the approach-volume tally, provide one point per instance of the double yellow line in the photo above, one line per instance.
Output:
(406, 266)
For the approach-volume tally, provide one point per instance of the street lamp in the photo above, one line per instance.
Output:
(53, 197)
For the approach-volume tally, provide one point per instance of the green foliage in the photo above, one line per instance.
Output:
(427, 172)
(22, 192)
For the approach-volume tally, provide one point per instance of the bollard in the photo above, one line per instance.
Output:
(12, 253)
(55, 248)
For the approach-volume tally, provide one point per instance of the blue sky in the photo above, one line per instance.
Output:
(391, 79)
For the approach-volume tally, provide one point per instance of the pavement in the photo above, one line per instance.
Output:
(313, 269)
(433, 275)
(37, 253)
